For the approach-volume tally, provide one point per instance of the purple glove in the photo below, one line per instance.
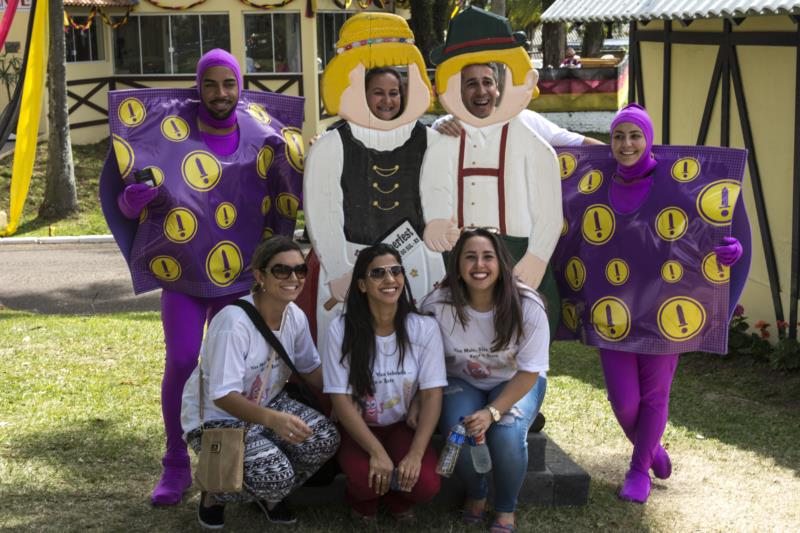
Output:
(730, 252)
(134, 198)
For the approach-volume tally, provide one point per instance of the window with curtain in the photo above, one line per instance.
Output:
(272, 42)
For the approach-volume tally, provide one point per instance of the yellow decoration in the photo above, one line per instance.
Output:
(681, 318)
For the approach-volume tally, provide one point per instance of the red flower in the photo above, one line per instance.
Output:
(781, 324)
(738, 310)
(761, 325)
(764, 334)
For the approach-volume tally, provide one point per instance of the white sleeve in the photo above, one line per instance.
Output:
(224, 356)
(305, 357)
(544, 196)
(437, 179)
(552, 133)
(533, 353)
(323, 203)
(432, 372)
(335, 375)
(438, 121)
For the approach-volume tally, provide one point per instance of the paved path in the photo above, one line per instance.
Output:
(69, 279)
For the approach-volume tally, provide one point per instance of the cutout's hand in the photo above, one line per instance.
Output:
(440, 234)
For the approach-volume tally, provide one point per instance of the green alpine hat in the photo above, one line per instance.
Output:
(476, 30)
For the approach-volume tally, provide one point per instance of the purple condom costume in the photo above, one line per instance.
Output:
(193, 234)
(612, 250)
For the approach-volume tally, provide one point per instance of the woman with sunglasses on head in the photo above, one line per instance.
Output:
(378, 355)
(496, 338)
(286, 441)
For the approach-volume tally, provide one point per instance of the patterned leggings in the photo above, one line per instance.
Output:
(273, 468)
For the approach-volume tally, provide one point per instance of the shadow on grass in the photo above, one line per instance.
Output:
(729, 399)
(89, 299)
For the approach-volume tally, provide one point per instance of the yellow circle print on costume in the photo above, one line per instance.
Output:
(201, 170)
(180, 225)
(716, 201)
(611, 318)
(672, 223)
(224, 263)
(681, 318)
(671, 271)
(174, 128)
(575, 273)
(165, 268)
(617, 271)
(686, 169)
(131, 112)
(598, 224)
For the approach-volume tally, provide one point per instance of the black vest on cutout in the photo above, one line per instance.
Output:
(381, 188)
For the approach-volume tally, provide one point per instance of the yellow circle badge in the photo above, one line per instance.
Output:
(617, 271)
(225, 215)
(671, 272)
(575, 273)
(165, 268)
(259, 113)
(294, 147)
(686, 169)
(716, 201)
(264, 160)
(564, 227)
(267, 233)
(180, 225)
(158, 174)
(124, 154)
(566, 164)
(611, 318)
(174, 128)
(201, 170)
(266, 205)
(224, 263)
(569, 315)
(681, 318)
(131, 112)
(590, 182)
(598, 224)
(671, 223)
(715, 272)
(287, 205)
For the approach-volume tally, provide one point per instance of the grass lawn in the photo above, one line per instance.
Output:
(81, 438)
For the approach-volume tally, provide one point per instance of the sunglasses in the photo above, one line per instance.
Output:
(380, 272)
(281, 271)
(489, 229)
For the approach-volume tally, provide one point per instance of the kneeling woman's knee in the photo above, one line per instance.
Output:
(269, 476)
(325, 439)
(428, 485)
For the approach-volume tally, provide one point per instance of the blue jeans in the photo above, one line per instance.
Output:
(507, 439)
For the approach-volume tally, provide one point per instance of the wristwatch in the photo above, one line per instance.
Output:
(494, 412)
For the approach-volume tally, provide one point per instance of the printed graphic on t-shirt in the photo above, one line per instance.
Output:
(480, 362)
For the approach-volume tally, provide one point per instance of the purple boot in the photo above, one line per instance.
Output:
(176, 478)
(636, 487)
(662, 465)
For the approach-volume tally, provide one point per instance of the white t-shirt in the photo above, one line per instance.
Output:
(233, 357)
(552, 133)
(468, 352)
(423, 368)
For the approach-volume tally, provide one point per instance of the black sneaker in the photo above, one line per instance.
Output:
(211, 517)
(280, 514)
(538, 423)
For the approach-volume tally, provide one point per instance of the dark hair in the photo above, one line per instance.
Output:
(377, 71)
(269, 248)
(359, 326)
(507, 292)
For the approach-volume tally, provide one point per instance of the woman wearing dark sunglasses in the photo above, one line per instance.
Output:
(378, 355)
(287, 441)
(496, 339)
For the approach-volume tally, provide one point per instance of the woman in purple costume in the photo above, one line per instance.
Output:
(219, 82)
(638, 383)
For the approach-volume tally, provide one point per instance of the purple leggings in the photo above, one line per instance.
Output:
(638, 389)
(184, 318)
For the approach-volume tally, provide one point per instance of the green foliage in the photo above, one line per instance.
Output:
(783, 355)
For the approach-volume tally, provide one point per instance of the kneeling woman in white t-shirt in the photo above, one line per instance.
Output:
(496, 339)
(377, 356)
(287, 441)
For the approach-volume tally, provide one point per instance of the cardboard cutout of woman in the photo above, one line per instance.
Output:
(361, 183)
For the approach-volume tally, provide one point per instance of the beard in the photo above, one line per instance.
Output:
(220, 115)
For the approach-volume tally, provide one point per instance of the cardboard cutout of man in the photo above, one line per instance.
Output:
(499, 173)
(196, 178)
(362, 179)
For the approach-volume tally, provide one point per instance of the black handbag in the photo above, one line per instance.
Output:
(297, 390)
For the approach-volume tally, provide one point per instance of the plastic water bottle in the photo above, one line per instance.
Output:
(481, 459)
(452, 447)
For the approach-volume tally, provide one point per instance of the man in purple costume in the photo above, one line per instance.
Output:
(188, 303)
(639, 383)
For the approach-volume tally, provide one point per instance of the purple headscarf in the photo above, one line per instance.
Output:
(218, 58)
(636, 114)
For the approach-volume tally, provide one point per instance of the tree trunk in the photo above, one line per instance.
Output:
(421, 24)
(499, 7)
(554, 40)
(593, 36)
(60, 197)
